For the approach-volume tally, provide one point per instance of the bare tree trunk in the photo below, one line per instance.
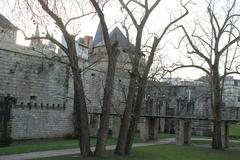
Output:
(75, 121)
(129, 121)
(216, 139)
(126, 134)
(136, 116)
(107, 103)
(79, 100)
(82, 118)
(217, 104)
(134, 76)
(139, 98)
(112, 52)
(125, 122)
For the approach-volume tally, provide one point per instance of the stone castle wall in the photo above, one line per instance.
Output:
(44, 92)
(28, 76)
(7, 35)
(37, 84)
(41, 122)
(94, 83)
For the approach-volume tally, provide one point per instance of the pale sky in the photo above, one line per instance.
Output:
(156, 23)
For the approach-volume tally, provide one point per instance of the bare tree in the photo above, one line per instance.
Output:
(142, 82)
(138, 79)
(51, 12)
(214, 50)
(125, 122)
(112, 52)
(58, 12)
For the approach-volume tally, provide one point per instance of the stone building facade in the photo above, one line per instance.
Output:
(165, 96)
(40, 88)
(43, 91)
(232, 92)
(43, 87)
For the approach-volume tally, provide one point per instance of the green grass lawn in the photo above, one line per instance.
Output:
(72, 143)
(208, 142)
(51, 145)
(62, 144)
(234, 130)
(165, 152)
(165, 135)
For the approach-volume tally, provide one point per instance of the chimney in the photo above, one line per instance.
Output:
(88, 41)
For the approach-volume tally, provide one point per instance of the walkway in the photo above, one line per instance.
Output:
(63, 152)
(209, 139)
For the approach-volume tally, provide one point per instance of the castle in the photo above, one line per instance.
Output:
(42, 86)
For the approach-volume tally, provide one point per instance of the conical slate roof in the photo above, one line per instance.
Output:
(98, 36)
(5, 23)
(115, 35)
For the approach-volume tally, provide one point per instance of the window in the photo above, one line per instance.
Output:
(93, 121)
(235, 83)
(238, 98)
(33, 98)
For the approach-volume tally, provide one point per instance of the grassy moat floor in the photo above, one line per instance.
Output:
(234, 130)
(60, 144)
(200, 148)
(73, 143)
(164, 152)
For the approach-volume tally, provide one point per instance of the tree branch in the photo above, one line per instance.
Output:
(55, 17)
(191, 66)
(194, 47)
(129, 13)
(229, 44)
(74, 18)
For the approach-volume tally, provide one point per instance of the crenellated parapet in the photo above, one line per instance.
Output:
(40, 106)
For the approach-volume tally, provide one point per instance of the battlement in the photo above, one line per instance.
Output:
(40, 106)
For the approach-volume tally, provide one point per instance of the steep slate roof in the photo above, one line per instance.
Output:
(115, 35)
(98, 36)
(5, 23)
